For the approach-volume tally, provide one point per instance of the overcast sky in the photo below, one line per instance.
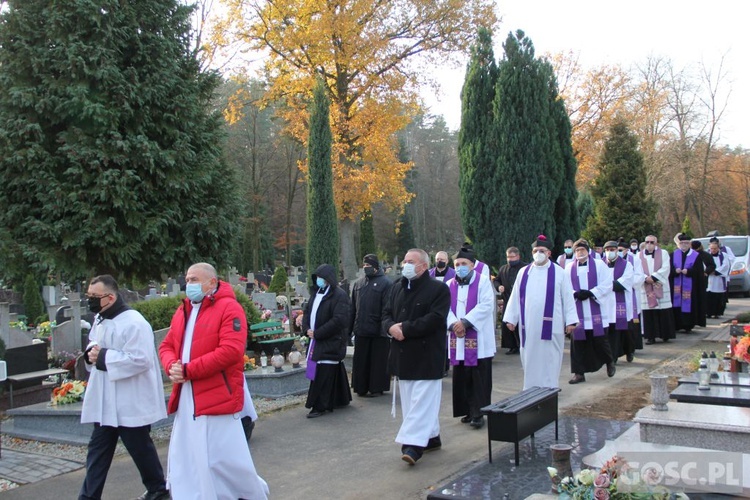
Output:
(606, 32)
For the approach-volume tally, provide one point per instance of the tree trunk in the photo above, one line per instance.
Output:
(347, 232)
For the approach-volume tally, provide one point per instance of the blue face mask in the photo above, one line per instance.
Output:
(621, 253)
(568, 251)
(462, 271)
(320, 282)
(194, 291)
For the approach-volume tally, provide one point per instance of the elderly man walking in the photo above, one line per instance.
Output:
(415, 316)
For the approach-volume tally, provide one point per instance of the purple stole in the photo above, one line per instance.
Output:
(596, 311)
(479, 267)
(684, 287)
(549, 304)
(721, 263)
(621, 307)
(311, 366)
(653, 292)
(449, 274)
(470, 340)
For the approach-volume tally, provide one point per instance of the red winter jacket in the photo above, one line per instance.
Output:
(216, 355)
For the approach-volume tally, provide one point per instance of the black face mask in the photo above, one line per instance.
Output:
(370, 271)
(95, 305)
(441, 264)
(514, 263)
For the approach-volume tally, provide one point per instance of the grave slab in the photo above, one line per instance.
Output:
(266, 383)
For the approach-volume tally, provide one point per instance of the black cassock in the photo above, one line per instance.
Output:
(697, 315)
(506, 277)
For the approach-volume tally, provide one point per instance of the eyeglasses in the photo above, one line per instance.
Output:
(98, 296)
(650, 243)
(568, 247)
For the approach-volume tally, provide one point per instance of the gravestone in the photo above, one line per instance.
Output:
(67, 335)
(152, 294)
(49, 295)
(174, 291)
(170, 283)
(300, 289)
(13, 337)
(233, 278)
(265, 300)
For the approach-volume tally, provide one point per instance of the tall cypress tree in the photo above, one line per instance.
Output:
(110, 154)
(322, 231)
(621, 206)
(528, 174)
(366, 235)
(567, 223)
(476, 147)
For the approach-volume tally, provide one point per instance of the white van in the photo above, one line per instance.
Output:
(739, 277)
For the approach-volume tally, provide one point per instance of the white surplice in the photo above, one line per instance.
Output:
(626, 280)
(602, 291)
(718, 283)
(482, 316)
(208, 454)
(542, 359)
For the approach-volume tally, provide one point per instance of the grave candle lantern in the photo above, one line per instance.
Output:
(277, 360)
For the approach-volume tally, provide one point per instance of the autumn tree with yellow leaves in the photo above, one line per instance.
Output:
(371, 55)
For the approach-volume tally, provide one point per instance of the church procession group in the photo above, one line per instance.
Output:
(407, 336)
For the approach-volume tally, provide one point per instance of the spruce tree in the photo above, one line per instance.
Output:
(33, 304)
(110, 154)
(322, 231)
(476, 146)
(278, 281)
(621, 206)
(529, 168)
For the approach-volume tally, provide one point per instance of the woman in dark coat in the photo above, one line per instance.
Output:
(326, 322)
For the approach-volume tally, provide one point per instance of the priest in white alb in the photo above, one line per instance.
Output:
(542, 307)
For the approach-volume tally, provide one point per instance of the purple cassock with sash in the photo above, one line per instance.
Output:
(471, 348)
(683, 285)
(596, 310)
(621, 307)
(449, 274)
(549, 304)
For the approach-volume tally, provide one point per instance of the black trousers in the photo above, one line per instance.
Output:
(137, 441)
(472, 387)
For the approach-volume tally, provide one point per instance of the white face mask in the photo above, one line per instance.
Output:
(634, 247)
(611, 254)
(408, 271)
(540, 257)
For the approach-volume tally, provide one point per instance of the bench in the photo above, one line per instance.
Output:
(520, 416)
(263, 333)
(27, 365)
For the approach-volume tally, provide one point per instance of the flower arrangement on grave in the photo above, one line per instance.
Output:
(249, 363)
(742, 348)
(266, 315)
(282, 301)
(44, 329)
(304, 340)
(70, 391)
(64, 359)
(613, 481)
(21, 325)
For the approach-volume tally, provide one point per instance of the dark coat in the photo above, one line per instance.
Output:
(368, 297)
(421, 306)
(331, 320)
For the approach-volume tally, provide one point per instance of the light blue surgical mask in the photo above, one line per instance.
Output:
(320, 282)
(408, 271)
(194, 291)
(568, 251)
(621, 253)
(462, 271)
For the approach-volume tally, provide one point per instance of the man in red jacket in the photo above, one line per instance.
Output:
(203, 355)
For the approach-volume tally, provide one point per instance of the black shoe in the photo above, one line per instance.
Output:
(629, 358)
(315, 413)
(666, 340)
(611, 369)
(466, 419)
(155, 495)
(577, 379)
(477, 423)
(247, 427)
(410, 455)
(433, 444)
(650, 342)
(362, 394)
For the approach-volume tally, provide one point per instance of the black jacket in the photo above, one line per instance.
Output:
(421, 306)
(331, 320)
(368, 297)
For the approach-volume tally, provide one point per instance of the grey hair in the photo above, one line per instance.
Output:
(422, 255)
(206, 268)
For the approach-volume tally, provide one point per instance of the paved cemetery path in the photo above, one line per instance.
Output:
(350, 454)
